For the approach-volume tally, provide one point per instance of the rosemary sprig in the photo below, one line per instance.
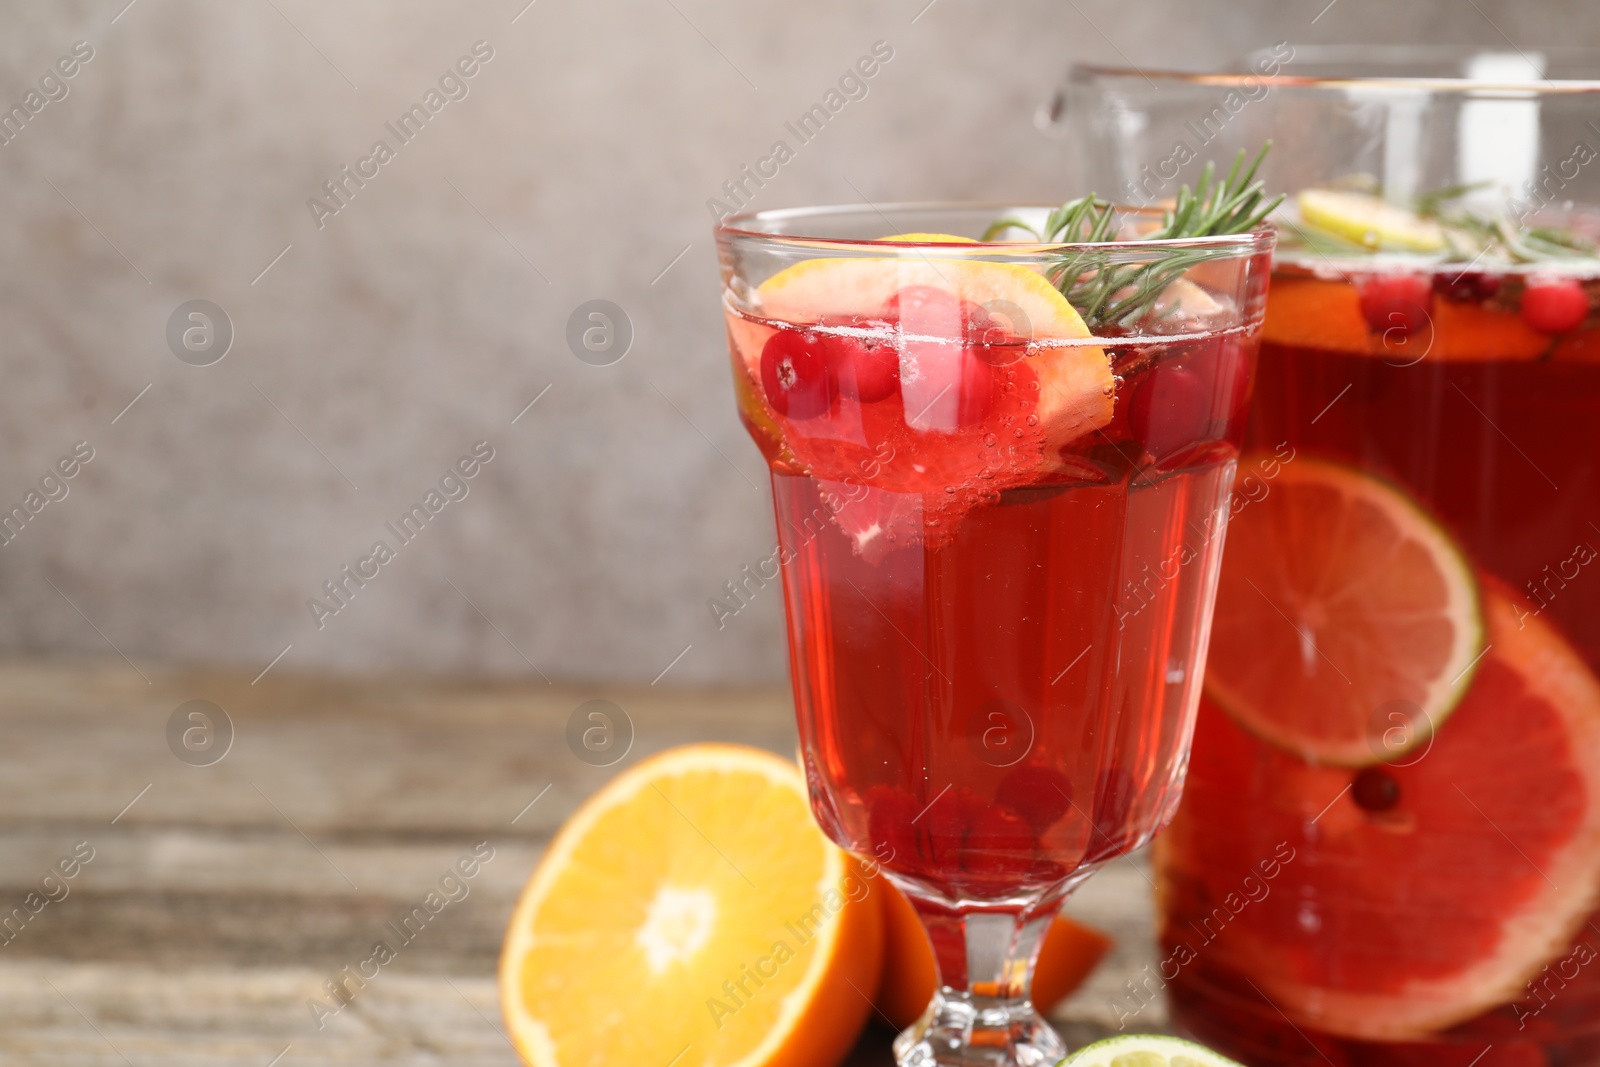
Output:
(1489, 232)
(1471, 232)
(1116, 294)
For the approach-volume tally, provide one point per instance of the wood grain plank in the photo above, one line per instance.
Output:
(226, 896)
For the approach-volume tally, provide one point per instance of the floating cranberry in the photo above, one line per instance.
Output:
(1467, 287)
(937, 311)
(989, 843)
(1234, 371)
(980, 389)
(991, 343)
(1041, 795)
(1375, 789)
(797, 374)
(1170, 409)
(1397, 304)
(868, 368)
(1554, 305)
(1115, 798)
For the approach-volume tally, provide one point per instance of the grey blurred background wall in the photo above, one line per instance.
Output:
(374, 347)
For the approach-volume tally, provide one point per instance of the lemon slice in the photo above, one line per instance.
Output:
(1369, 221)
(930, 239)
(1146, 1050)
(1076, 386)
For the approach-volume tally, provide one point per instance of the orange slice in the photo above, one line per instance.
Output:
(1326, 315)
(692, 913)
(1340, 598)
(1313, 313)
(1394, 921)
(1070, 953)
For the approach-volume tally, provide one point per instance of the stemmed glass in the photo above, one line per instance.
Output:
(999, 525)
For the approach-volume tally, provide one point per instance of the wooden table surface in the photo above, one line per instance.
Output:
(220, 898)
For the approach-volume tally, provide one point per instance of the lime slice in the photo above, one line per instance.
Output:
(1369, 221)
(1348, 622)
(1146, 1050)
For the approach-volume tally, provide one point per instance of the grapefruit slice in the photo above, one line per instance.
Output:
(692, 913)
(1403, 906)
(1076, 386)
(1347, 621)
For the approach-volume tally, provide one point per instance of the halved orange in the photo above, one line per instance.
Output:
(1341, 597)
(1397, 919)
(692, 914)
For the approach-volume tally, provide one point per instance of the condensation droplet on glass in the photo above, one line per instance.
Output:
(1310, 921)
(1017, 434)
(1033, 420)
(989, 440)
(950, 489)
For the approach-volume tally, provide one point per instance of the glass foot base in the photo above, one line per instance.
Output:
(965, 1030)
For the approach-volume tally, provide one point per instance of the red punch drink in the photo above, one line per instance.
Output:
(999, 533)
(956, 652)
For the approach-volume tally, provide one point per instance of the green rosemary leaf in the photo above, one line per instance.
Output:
(1109, 294)
(1430, 204)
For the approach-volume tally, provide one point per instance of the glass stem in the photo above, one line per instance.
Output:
(981, 1013)
(986, 953)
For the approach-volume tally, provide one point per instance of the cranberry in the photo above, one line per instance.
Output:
(995, 340)
(868, 368)
(1375, 789)
(1235, 369)
(1114, 801)
(1397, 303)
(890, 831)
(1170, 408)
(954, 349)
(1554, 305)
(936, 309)
(986, 842)
(1468, 287)
(1041, 795)
(797, 374)
(980, 389)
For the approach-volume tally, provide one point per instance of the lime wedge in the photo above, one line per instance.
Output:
(1369, 221)
(1146, 1050)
